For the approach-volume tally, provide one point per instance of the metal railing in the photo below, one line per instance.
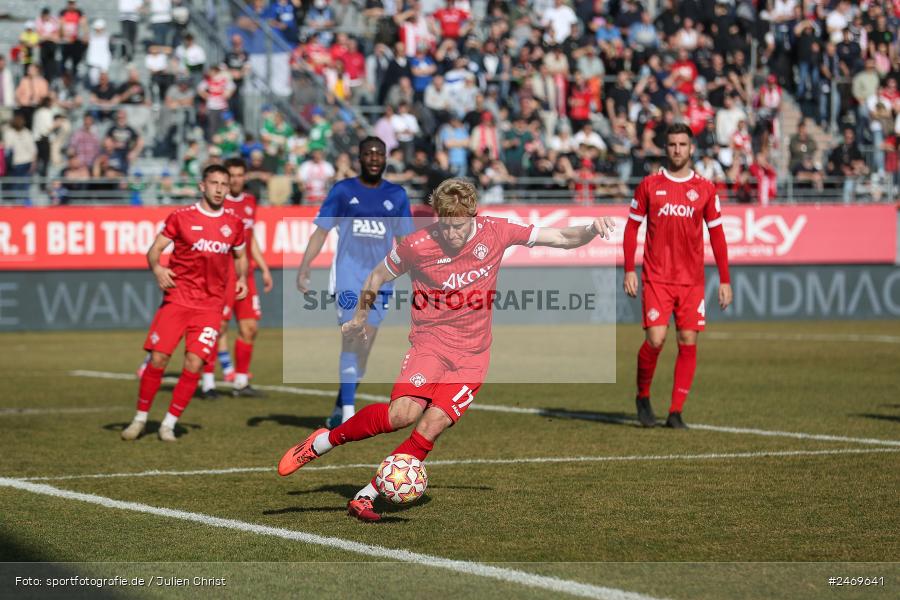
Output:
(164, 190)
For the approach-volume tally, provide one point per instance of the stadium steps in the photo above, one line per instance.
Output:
(790, 121)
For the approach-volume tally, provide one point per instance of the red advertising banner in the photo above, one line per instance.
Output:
(118, 237)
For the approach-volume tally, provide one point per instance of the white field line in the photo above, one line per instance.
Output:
(486, 461)
(544, 413)
(13, 412)
(553, 584)
(804, 337)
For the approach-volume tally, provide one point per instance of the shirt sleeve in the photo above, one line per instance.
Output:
(240, 236)
(171, 227)
(517, 234)
(401, 259)
(712, 212)
(330, 210)
(639, 204)
(404, 221)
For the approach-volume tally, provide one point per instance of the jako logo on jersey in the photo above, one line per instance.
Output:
(660, 193)
(388, 205)
(211, 246)
(417, 380)
(226, 230)
(480, 251)
(458, 280)
(369, 228)
(692, 195)
(443, 261)
(675, 210)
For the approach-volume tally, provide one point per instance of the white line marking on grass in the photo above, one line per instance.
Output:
(486, 461)
(560, 414)
(804, 337)
(13, 412)
(552, 584)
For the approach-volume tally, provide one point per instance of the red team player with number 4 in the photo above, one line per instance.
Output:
(453, 265)
(206, 236)
(675, 202)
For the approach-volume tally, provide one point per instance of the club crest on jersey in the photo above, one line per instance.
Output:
(154, 338)
(226, 230)
(480, 251)
(417, 380)
(248, 210)
(692, 195)
(653, 314)
(388, 205)
(675, 210)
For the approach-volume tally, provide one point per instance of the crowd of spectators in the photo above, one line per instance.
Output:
(558, 100)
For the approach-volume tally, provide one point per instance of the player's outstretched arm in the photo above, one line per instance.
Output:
(257, 256)
(316, 241)
(574, 237)
(165, 277)
(376, 279)
(241, 267)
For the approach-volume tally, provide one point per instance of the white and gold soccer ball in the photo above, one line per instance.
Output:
(401, 478)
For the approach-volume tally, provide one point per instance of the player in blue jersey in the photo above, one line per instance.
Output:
(369, 213)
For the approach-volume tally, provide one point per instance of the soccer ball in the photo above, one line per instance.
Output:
(401, 478)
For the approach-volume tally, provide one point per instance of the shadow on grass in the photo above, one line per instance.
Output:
(889, 418)
(610, 418)
(311, 423)
(152, 428)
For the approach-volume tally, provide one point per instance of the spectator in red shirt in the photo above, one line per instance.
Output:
(581, 102)
(453, 21)
(684, 73)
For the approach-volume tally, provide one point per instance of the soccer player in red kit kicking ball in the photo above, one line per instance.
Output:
(674, 203)
(455, 259)
(206, 236)
(246, 310)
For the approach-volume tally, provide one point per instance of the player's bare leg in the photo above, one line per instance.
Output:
(430, 426)
(685, 366)
(354, 359)
(243, 352)
(181, 395)
(655, 338)
(151, 379)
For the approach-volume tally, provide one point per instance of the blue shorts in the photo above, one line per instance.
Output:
(345, 303)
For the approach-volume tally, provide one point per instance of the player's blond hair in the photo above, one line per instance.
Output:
(454, 198)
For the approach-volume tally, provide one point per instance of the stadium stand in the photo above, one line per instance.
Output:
(544, 100)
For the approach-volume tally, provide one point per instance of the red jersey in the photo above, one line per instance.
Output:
(675, 210)
(453, 293)
(244, 207)
(202, 256)
(451, 20)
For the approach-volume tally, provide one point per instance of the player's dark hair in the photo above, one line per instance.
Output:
(236, 162)
(372, 139)
(214, 169)
(677, 128)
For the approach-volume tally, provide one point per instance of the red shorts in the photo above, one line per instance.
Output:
(200, 328)
(248, 308)
(445, 380)
(687, 301)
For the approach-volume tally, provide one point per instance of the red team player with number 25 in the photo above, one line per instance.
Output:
(453, 265)
(206, 236)
(674, 203)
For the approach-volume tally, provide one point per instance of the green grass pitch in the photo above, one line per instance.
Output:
(735, 514)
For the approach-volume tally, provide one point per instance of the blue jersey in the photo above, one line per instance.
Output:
(367, 220)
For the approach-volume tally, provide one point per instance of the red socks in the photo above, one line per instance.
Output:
(243, 352)
(183, 392)
(417, 445)
(369, 421)
(646, 366)
(150, 382)
(685, 365)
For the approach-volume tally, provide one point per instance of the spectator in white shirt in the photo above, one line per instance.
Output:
(99, 56)
(559, 18)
